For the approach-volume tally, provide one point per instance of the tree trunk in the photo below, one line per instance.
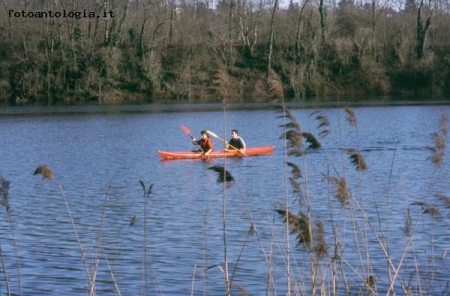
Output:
(230, 31)
(323, 21)
(374, 6)
(422, 30)
(141, 44)
(123, 22)
(298, 36)
(271, 37)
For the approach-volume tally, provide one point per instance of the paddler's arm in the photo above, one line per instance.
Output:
(228, 147)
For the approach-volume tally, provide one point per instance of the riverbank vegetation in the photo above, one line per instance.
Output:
(237, 50)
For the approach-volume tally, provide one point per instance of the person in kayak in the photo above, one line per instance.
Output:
(205, 143)
(236, 142)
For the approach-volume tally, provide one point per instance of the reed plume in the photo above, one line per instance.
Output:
(350, 117)
(132, 221)
(341, 189)
(427, 208)
(251, 230)
(298, 225)
(314, 144)
(292, 133)
(439, 139)
(436, 157)
(295, 170)
(324, 123)
(444, 199)
(443, 120)
(296, 187)
(296, 174)
(148, 191)
(293, 137)
(4, 193)
(370, 282)
(223, 174)
(242, 290)
(314, 239)
(291, 125)
(320, 245)
(356, 159)
(285, 112)
(407, 230)
(45, 171)
(143, 186)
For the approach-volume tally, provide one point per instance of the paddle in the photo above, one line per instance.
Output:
(188, 132)
(217, 137)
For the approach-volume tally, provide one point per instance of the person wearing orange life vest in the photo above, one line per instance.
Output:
(205, 143)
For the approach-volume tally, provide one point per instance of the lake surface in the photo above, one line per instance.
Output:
(176, 246)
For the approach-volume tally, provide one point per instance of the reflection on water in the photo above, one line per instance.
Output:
(176, 245)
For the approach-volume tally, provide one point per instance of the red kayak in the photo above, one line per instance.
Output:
(252, 151)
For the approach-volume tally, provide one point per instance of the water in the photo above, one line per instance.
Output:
(100, 155)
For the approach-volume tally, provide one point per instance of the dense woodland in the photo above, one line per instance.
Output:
(234, 50)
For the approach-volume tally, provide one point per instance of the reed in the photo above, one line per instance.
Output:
(445, 199)
(319, 261)
(324, 123)
(227, 180)
(308, 234)
(100, 254)
(341, 190)
(350, 116)
(314, 144)
(4, 201)
(223, 175)
(4, 193)
(147, 191)
(45, 172)
(356, 159)
(439, 138)
(296, 171)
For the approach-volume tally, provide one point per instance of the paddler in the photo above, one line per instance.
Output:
(205, 143)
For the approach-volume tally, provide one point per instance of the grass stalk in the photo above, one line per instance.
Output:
(4, 201)
(99, 248)
(193, 280)
(146, 194)
(111, 272)
(5, 273)
(88, 274)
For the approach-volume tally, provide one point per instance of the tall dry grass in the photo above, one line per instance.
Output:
(330, 262)
(319, 243)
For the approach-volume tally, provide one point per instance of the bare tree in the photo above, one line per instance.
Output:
(323, 19)
(248, 24)
(122, 25)
(271, 37)
(298, 35)
(376, 10)
(423, 26)
(231, 30)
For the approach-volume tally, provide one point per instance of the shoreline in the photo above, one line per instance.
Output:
(203, 107)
